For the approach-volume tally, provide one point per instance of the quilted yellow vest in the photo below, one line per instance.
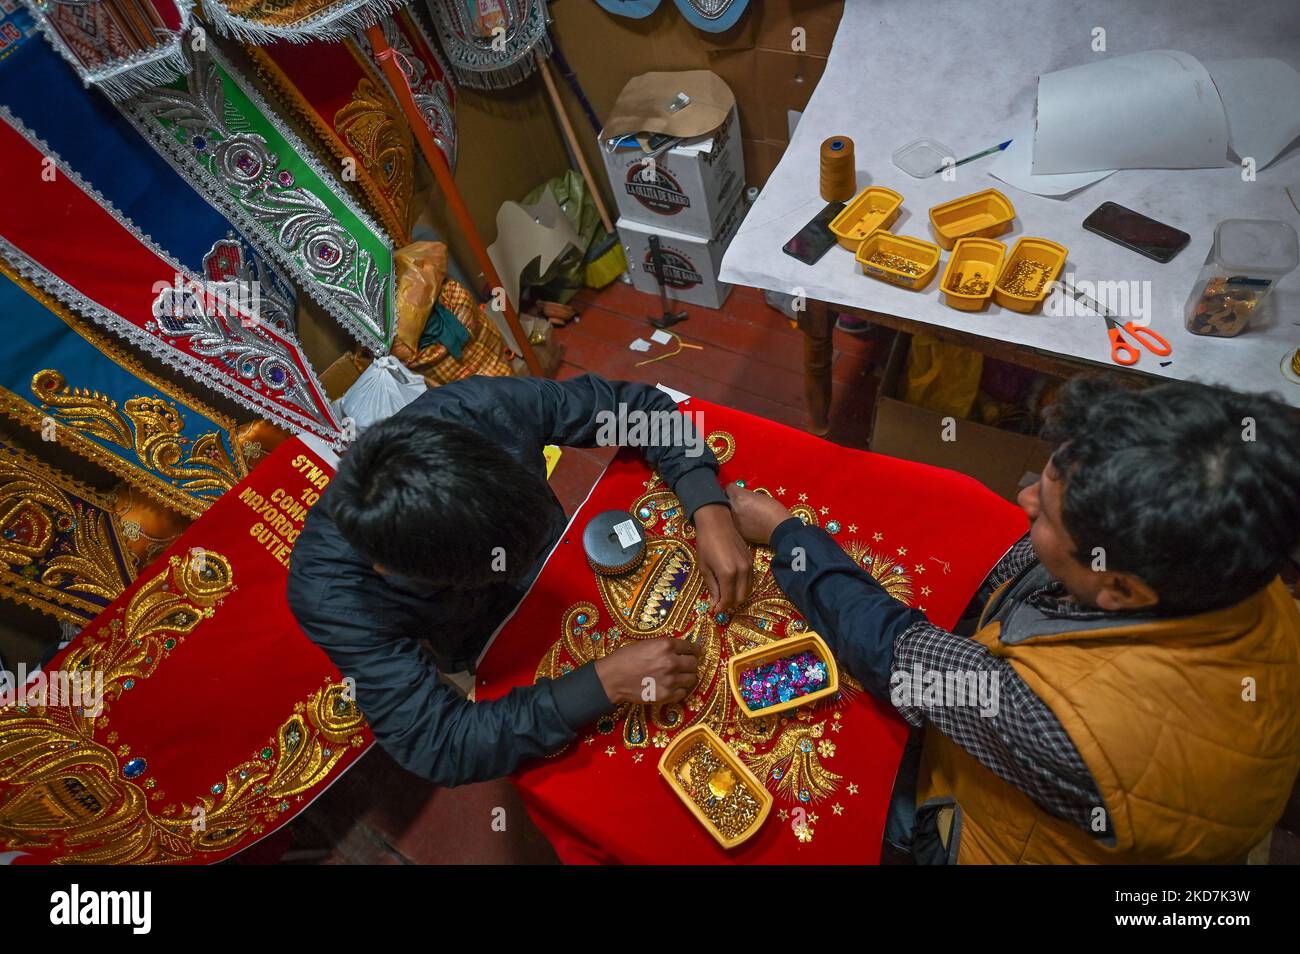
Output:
(1190, 727)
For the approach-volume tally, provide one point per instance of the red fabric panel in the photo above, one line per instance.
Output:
(597, 802)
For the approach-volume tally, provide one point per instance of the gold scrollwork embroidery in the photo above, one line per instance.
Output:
(663, 596)
(151, 427)
(59, 545)
(65, 787)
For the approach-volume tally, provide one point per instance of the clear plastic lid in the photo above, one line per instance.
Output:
(1256, 246)
(922, 158)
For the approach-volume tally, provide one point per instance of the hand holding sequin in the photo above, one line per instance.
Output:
(655, 671)
(756, 514)
(725, 560)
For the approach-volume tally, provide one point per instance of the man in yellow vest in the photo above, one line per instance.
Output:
(1131, 691)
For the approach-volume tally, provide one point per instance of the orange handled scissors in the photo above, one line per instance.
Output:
(1121, 352)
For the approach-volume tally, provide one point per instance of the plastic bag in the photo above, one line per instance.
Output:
(942, 377)
(383, 389)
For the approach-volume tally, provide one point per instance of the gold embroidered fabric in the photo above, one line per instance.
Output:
(68, 786)
(183, 473)
(61, 550)
(665, 596)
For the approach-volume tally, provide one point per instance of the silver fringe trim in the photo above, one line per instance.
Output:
(125, 78)
(336, 23)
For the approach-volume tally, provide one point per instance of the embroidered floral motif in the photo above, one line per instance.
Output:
(60, 550)
(664, 596)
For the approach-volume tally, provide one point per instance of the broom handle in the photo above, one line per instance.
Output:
(573, 144)
(442, 172)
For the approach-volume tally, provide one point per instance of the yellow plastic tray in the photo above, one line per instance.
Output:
(740, 775)
(875, 207)
(923, 253)
(978, 215)
(792, 646)
(1028, 248)
(972, 258)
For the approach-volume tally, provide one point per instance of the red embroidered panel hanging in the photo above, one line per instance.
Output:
(928, 535)
(192, 717)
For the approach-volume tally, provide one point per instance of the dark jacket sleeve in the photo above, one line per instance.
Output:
(585, 412)
(841, 601)
(426, 725)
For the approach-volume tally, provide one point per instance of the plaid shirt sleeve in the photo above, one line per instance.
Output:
(1013, 733)
(1013, 561)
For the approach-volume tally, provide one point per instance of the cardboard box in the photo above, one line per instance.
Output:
(998, 459)
(686, 189)
(691, 263)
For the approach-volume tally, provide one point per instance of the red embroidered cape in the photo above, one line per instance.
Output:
(929, 535)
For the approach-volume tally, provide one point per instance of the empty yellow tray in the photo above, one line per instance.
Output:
(973, 261)
(875, 207)
(721, 776)
(978, 215)
(923, 256)
(792, 646)
(1036, 262)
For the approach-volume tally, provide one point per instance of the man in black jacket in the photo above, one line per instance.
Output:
(439, 519)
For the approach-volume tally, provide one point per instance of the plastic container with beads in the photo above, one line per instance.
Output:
(614, 542)
(1247, 260)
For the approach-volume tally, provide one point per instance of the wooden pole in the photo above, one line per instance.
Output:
(438, 163)
(567, 127)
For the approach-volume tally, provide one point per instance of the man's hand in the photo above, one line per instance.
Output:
(725, 560)
(650, 670)
(756, 515)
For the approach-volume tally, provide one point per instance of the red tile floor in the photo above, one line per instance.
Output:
(752, 359)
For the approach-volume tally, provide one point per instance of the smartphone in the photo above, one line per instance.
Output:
(1136, 232)
(815, 238)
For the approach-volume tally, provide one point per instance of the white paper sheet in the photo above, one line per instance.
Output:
(1261, 97)
(1015, 167)
(1153, 110)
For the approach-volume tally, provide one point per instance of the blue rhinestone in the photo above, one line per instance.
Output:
(644, 513)
(804, 796)
(582, 619)
(129, 684)
(720, 619)
(218, 789)
(134, 768)
(832, 526)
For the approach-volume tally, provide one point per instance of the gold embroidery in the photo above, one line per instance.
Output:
(39, 507)
(386, 177)
(373, 125)
(208, 446)
(149, 426)
(664, 596)
(69, 789)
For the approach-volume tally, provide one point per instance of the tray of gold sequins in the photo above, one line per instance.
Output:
(717, 788)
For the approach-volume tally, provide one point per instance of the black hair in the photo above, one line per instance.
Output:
(1194, 489)
(432, 500)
